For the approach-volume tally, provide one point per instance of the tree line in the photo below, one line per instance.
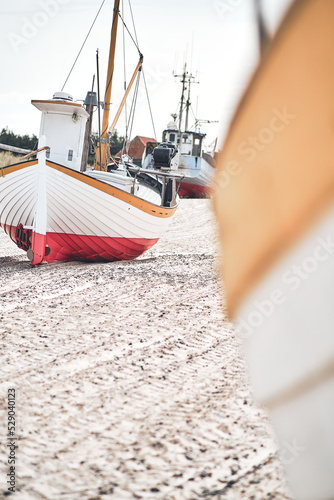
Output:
(19, 141)
(30, 142)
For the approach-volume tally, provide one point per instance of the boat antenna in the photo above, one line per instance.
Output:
(82, 46)
(175, 63)
(198, 123)
(93, 83)
(191, 52)
(98, 99)
(263, 33)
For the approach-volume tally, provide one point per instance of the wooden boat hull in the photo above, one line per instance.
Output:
(58, 214)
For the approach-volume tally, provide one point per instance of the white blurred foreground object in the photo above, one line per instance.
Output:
(274, 201)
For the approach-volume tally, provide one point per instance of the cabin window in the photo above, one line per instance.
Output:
(47, 154)
(185, 137)
(172, 137)
(70, 155)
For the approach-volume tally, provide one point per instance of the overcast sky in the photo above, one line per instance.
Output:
(40, 40)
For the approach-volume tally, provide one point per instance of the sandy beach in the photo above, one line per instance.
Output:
(129, 381)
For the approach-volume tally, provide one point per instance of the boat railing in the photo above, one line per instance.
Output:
(32, 153)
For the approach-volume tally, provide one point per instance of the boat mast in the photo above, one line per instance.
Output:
(186, 79)
(188, 103)
(183, 81)
(103, 146)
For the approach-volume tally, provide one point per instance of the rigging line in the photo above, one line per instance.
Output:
(127, 29)
(133, 106)
(124, 70)
(82, 46)
(134, 99)
(191, 109)
(123, 147)
(127, 125)
(132, 111)
(149, 105)
(123, 150)
(133, 23)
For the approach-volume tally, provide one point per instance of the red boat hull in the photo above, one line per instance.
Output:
(66, 247)
(188, 190)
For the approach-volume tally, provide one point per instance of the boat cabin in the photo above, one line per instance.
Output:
(63, 125)
(188, 142)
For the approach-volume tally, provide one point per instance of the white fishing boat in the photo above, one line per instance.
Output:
(196, 166)
(57, 209)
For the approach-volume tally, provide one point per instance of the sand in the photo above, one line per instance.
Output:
(130, 383)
